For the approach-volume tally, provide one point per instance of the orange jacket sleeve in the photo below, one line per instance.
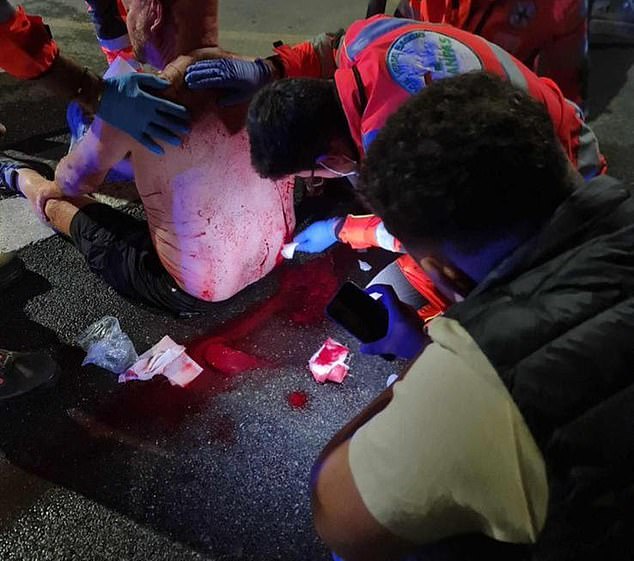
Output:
(368, 230)
(314, 58)
(437, 303)
(361, 232)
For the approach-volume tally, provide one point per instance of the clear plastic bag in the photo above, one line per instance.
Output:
(107, 346)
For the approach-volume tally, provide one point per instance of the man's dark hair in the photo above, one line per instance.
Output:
(466, 160)
(291, 123)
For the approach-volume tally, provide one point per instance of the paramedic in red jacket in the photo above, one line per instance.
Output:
(378, 64)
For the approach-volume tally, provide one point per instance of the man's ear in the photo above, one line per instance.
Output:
(156, 14)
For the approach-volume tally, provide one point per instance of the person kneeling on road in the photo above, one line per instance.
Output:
(508, 437)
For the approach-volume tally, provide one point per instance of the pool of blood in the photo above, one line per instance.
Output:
(150, 408)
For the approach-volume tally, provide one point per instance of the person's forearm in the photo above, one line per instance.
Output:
(345, 433)
(374, 408)
(83, 170)
(72, 81)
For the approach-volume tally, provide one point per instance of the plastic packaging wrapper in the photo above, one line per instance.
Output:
(288, 250)
(328, 364)
(119, 67)
(364, 265)
(167, 358)
(390, 380)
(107, 346)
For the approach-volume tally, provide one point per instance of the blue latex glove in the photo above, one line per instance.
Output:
(126, 105)
(319, 236)
(242, 78)
(405, 336)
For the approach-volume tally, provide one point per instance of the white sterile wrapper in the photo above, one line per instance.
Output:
(166, 358)
(288, 250)
(119, 67)
(390, 380)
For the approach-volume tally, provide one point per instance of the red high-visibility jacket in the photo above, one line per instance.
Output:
(380, 62)
(548, 36)
(27, 49)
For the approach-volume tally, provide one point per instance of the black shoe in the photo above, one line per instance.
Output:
(9, 168)
(11, 269)
(23, 372)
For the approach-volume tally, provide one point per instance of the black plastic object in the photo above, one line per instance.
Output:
(375, 7)
(23, 372)
(358, 313)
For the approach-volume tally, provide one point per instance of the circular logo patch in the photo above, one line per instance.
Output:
(419, 57)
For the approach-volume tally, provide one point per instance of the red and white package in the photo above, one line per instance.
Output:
(167, 358)
(329, 362)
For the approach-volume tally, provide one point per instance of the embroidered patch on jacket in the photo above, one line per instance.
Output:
(418, 57)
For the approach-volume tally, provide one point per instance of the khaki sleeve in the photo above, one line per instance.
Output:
(451, 453)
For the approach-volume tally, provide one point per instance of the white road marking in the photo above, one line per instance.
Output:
(19, 226)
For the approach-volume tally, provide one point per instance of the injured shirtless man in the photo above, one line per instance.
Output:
(213, 225)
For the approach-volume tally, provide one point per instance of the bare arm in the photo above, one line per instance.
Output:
(341, 518)
(343, 521)
(68, 79)
(84, 169)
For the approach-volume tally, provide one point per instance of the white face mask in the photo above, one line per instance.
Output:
(353, 179)
(339, 166)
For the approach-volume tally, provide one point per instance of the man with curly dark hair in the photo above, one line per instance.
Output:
(316, 127)
(509, 436)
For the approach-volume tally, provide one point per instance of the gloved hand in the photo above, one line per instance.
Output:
(241, 77)
(405, 336)
(319, 236)
(126, 105)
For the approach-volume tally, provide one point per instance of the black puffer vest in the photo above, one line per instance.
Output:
(556, 320)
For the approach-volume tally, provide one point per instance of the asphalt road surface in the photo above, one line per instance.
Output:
(93, 469)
